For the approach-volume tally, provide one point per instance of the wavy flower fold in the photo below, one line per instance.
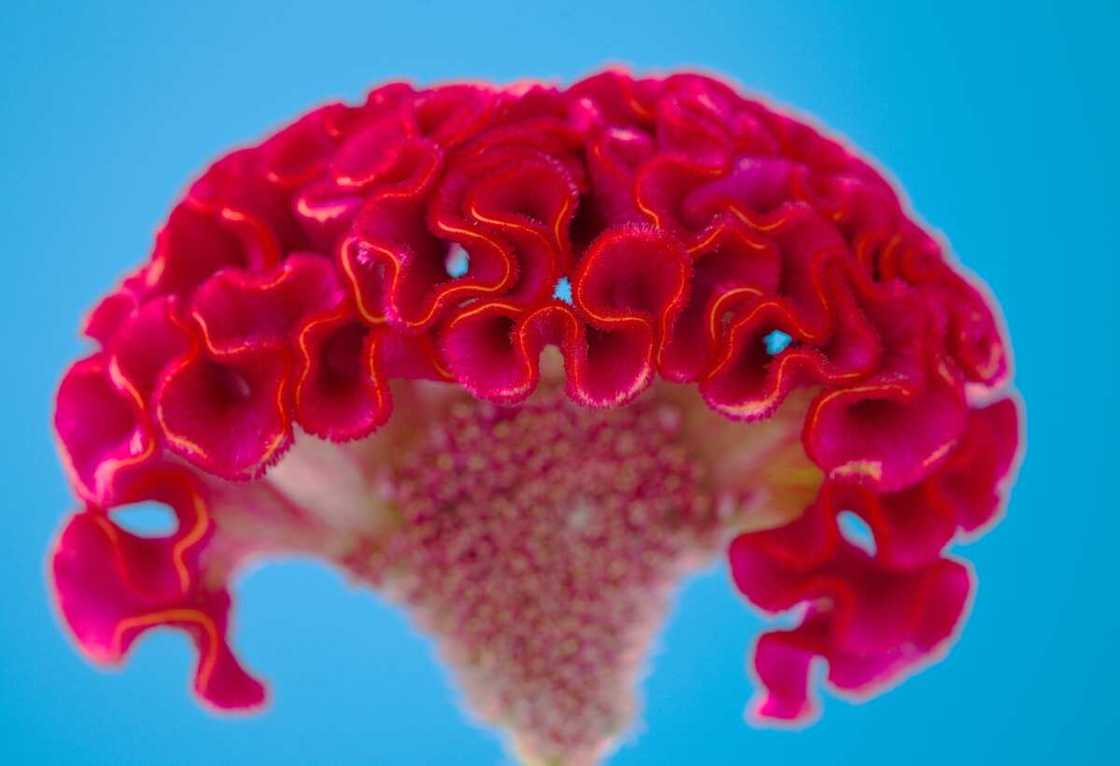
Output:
(299, 277)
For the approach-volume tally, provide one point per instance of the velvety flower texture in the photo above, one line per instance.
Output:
(522, 357)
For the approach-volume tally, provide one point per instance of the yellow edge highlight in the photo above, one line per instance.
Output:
(194, 535)
(209, 653)
(104, 472)
(178, 551)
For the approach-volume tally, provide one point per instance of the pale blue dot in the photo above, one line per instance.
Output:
(563, 290)
(856, 531)
(776, 342)
(146, 519)
(457, 262)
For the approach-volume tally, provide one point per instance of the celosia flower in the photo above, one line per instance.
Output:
(521, 358)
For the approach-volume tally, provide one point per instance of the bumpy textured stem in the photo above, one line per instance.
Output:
(539, 544)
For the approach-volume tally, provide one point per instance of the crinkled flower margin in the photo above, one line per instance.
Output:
(298, 277)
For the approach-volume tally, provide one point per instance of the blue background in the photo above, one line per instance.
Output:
(1001, 125)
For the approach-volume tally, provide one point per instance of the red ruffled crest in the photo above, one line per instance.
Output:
(732, 268)
(237, 310)
(645, 227)
(226, 403)
(301, 152)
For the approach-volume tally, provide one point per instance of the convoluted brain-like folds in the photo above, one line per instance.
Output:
(660, 234)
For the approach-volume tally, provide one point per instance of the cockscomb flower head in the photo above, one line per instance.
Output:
(519, 359)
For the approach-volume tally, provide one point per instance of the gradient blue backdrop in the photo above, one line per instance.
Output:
(1002, 126)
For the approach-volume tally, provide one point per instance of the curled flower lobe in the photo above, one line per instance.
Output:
(872, 616)
(112, 586)
(340, 390)
(100, 425)
(520, 358)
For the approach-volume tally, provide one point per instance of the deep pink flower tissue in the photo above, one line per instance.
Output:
(519, 358)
